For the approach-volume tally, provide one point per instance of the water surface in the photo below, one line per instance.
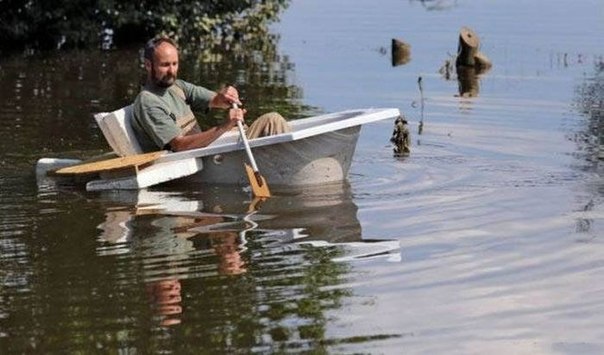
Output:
(487, 238)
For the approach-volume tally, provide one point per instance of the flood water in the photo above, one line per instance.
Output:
(487, 238)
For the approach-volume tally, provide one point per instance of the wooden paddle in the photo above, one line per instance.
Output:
(257, 181)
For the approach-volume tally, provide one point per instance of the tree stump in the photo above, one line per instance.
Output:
(468, 54)
(467, 48)
(401, 52)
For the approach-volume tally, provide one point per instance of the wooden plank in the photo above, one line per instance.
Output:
(134, 162)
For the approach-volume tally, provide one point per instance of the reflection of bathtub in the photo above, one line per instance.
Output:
(321, 216)
(324, 212)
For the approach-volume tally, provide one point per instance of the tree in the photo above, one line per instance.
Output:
(49, 24)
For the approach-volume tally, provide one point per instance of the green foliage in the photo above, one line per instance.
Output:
(47, 24)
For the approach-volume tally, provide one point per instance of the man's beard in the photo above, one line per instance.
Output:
(164, 81)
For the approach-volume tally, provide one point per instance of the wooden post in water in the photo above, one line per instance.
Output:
(468, 54)
(401, 52)
(467, 48)
(470, 63)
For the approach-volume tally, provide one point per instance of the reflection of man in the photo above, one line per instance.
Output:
(162, 116)
(165, 296)
(226, 247)
(166, 248)
(225, 244)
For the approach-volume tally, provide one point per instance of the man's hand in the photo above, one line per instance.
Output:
(225, 98)
(235, 114)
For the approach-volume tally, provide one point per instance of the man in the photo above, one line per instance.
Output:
(162, 111)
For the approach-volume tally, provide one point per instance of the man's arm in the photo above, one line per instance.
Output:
(201, 98)
(203, 139)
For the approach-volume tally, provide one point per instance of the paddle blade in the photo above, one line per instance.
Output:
(258, 183)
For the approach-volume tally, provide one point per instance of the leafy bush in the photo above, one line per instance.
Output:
(48, 24)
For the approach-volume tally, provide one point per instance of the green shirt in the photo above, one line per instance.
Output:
(156, 110)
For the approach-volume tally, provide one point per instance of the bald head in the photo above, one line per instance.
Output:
(152, 44)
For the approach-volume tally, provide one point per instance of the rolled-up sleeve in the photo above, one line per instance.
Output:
(197, 97)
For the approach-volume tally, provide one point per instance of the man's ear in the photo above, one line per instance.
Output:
(148, 64)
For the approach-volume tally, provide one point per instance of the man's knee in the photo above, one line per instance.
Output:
(268, 124)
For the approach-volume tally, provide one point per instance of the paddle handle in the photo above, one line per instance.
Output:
(246, 144)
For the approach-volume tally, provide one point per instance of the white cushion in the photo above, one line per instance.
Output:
(118, 131)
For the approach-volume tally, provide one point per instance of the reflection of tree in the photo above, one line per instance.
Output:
(262, 76)
(590, 141)
(590, 101)
(61, 296)
(55, 96)
(281, 300)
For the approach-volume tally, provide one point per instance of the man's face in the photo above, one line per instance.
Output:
(164, 67)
